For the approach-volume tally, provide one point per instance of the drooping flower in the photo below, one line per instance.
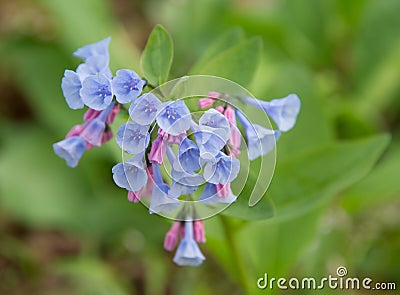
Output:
(283, 111)
(199, 232)
(260, 140)
(210, 196)
(133, 138)
(172, 236)
(127, 86)
(222, 170)
(71, 86)
(144, 110)
(130, 175)
(174, 117)
(157, 152)
(94, 65)
(235, 138)
(188, 252)
(160, 201)
(96, 92)
(94, 49)
(188, 155)
(70, 149)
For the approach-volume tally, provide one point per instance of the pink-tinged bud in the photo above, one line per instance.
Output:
(134, 196)
(220, 109)
(91, 114)
(157, 151)
(235, 139)
(205, 102)
(89, 146)
(148, 188)
(75, 131)
(223, 189)
(171, 139)
(213, 94)
(113, 114)
(107, 135)
(199, 232)
(171, 238)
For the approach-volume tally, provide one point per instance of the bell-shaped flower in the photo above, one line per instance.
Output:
(96, 92)
(222, 169)
(130, 175)
(188, 252)
(93, 133)
(133, 138)
(188, 155)
(160, 201)
(174, 117)
(94, 65)
(144, 110)
(71, 86)
(210, 196)
(212, 123)
(70, 149)
(127, 86)
(98, 48)
(283, 111)
(260, 140)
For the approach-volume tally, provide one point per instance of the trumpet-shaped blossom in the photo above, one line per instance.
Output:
(127, 86)
(144, 110)
(260, 140)
(222, 170)
(96, 92)
(70, 149)
(283, 111)
(94, 65)
(160, 201)
(93, 133)
(174, 117)
(71, 86)
(130, 175)
(210, 196)
(188, 155)
(94, 49)
(133, 138)
(188, 252)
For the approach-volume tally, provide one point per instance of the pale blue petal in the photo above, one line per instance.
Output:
(174, 118)
(133, 138)
(127, 86)
(284, 111)
(210, 196)
(98, 48)
(223, 170)
(188, 155)
(188, 252)
(144, 110)
(70, 149)
(96, 92)
(130, 175)
(71, 86)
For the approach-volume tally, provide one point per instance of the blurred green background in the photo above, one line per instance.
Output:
(336, 187)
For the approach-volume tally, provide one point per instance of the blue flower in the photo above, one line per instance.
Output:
(71, 149)
(188, 252)
(222, 170)
(94, 65)
(212, 123)
(98, 48)
(144, 110)
(130, 175)
(174, 118)
(93, 132)
(71, 85)
(260, 140)
(188, 155)
(127, 86)
(160, 201)
(283, 111)
(209, 196)
(133, 138)
(96, 92)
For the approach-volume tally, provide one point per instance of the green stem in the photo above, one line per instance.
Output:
(242, 274)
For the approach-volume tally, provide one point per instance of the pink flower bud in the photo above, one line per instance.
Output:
(223, 189)
(134, 196)
(75, 131)
(157, 151)
(205, 102)
(199, 232)
(220, 109)
(113, 114)
(171, 238)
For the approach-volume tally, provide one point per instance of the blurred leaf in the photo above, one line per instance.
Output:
(300, 183)
(237, 63)
(157, 56)
(223, 42)
(241, 209)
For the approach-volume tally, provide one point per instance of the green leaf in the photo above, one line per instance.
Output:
(224, 42)
(157, 56)
(237, 63)
(301, 183)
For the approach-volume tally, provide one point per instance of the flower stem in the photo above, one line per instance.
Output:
(236, 256)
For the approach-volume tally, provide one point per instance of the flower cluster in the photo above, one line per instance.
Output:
(199, 152)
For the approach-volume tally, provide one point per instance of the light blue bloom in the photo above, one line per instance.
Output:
(188, 252)
(213, 123)
(178, 189)
(209, 196)
(127, 86)
(144, 110)
(71, 85)
(188, 155)
(283, 111)
(96, 92)
(209, 144)
(98, 48)
(160, 201)
(222, 170)
(130, 175)
(94, 65)
(260, 140)
(133, 138)
(174, 118)
(70, 149)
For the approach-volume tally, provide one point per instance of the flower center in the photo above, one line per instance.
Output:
(149, 108)
(137, 135)
(171, 113)
(132, 85)
(103, 91)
